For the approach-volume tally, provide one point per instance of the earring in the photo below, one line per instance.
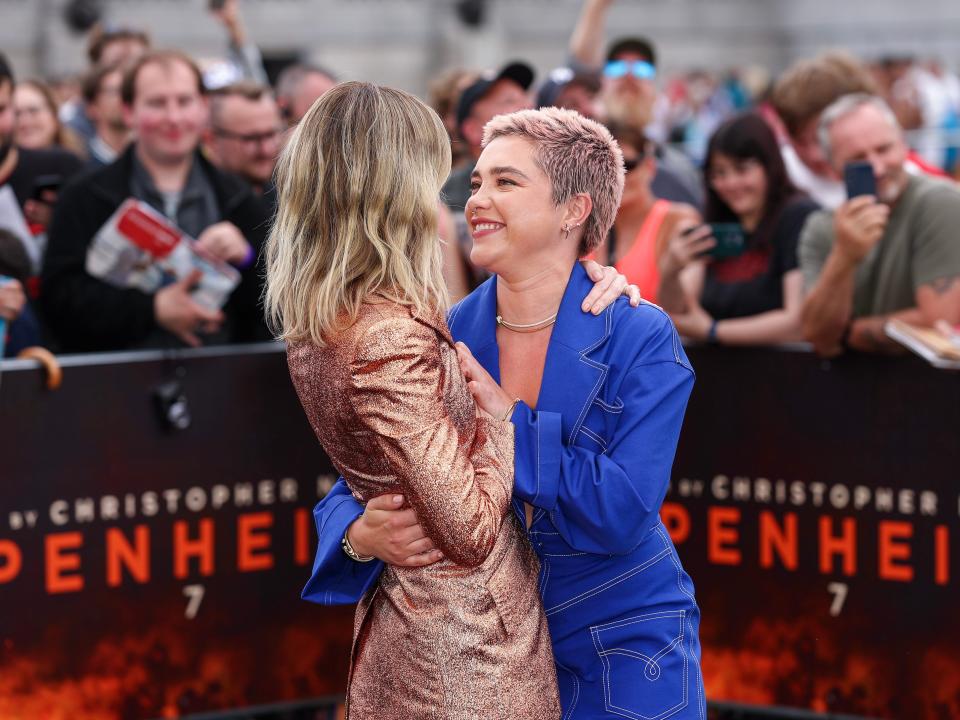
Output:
(565, 230)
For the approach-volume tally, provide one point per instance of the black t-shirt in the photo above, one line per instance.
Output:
(752, 283)
(32, 164)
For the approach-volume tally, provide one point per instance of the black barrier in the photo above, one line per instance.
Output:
(146, 570)
(155, 530)
(815, 504)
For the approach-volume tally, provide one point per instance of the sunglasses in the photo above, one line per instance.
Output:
(631, 164)
(640, 69)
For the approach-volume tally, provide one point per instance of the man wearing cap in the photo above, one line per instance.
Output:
(629, 94)
(493, 93)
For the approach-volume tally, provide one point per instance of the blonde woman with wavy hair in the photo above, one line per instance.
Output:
(358, 212)
(355, 287)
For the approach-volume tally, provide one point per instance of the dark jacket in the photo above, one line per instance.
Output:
(86, 314)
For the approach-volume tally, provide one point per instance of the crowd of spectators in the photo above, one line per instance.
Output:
(707, 154)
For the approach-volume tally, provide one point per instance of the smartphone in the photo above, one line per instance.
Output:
(859, 179)
(216, 4)
(731, 240)
(44, 184)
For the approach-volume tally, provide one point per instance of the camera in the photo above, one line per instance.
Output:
(172, 406)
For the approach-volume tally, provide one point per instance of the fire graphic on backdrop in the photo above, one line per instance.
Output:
(831, 597)
(163, 672)
(178, 602)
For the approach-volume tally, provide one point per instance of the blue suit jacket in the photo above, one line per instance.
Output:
(594, 460)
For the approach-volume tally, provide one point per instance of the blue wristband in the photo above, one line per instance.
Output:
(712, 332)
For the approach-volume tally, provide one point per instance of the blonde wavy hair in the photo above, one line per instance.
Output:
(359, 189)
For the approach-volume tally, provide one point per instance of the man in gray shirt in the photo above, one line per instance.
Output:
(896, 255)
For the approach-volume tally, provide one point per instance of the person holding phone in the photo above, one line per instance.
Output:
(890, 251)
(736, 279)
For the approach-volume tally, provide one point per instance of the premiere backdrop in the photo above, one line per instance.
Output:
(147, 571)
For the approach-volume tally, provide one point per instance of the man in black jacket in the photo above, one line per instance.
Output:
(164, 100)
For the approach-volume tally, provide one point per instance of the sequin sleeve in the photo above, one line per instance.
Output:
(460, 492)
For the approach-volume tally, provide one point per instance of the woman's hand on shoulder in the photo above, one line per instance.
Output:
(688, 243)
(490, 397)
(608, 285)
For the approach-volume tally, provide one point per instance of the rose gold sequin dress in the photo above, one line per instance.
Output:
(465, 638)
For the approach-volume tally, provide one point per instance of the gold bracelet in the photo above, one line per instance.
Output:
(509, 413)
(350, 552)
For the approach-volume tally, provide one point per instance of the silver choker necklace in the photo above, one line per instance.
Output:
(529, 327)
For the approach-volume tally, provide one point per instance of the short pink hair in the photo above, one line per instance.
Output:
(577, 154)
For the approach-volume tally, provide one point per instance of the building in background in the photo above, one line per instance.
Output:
(406, 42)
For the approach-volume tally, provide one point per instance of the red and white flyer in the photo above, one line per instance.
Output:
(140, 248)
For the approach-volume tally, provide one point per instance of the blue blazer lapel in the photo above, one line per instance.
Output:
(571, 378)
(473, 321)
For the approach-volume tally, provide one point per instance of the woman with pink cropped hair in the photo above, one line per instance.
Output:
(596, 401)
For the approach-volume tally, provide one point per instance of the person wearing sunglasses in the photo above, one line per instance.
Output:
(644, 223)
(629, 96)
(639, 69)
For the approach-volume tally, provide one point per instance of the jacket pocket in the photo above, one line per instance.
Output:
(645, 665)
(511, 583)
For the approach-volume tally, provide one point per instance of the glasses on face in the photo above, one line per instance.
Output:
(640, 69)
(632, 163)
(250, 138)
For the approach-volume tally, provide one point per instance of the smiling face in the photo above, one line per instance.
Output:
(245, 136)
(168, 113)
(36, 124)
(514, 220)
(741, 183)
(867, 133)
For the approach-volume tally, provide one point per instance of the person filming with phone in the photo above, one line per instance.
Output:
(735, 279)
(891, 250)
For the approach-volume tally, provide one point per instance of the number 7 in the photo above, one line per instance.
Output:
(194, 595)
(839, 592)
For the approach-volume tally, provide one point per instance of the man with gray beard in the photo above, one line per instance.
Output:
(876, 258)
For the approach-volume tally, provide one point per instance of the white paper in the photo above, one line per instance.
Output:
(116, 258)
(12, 220)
